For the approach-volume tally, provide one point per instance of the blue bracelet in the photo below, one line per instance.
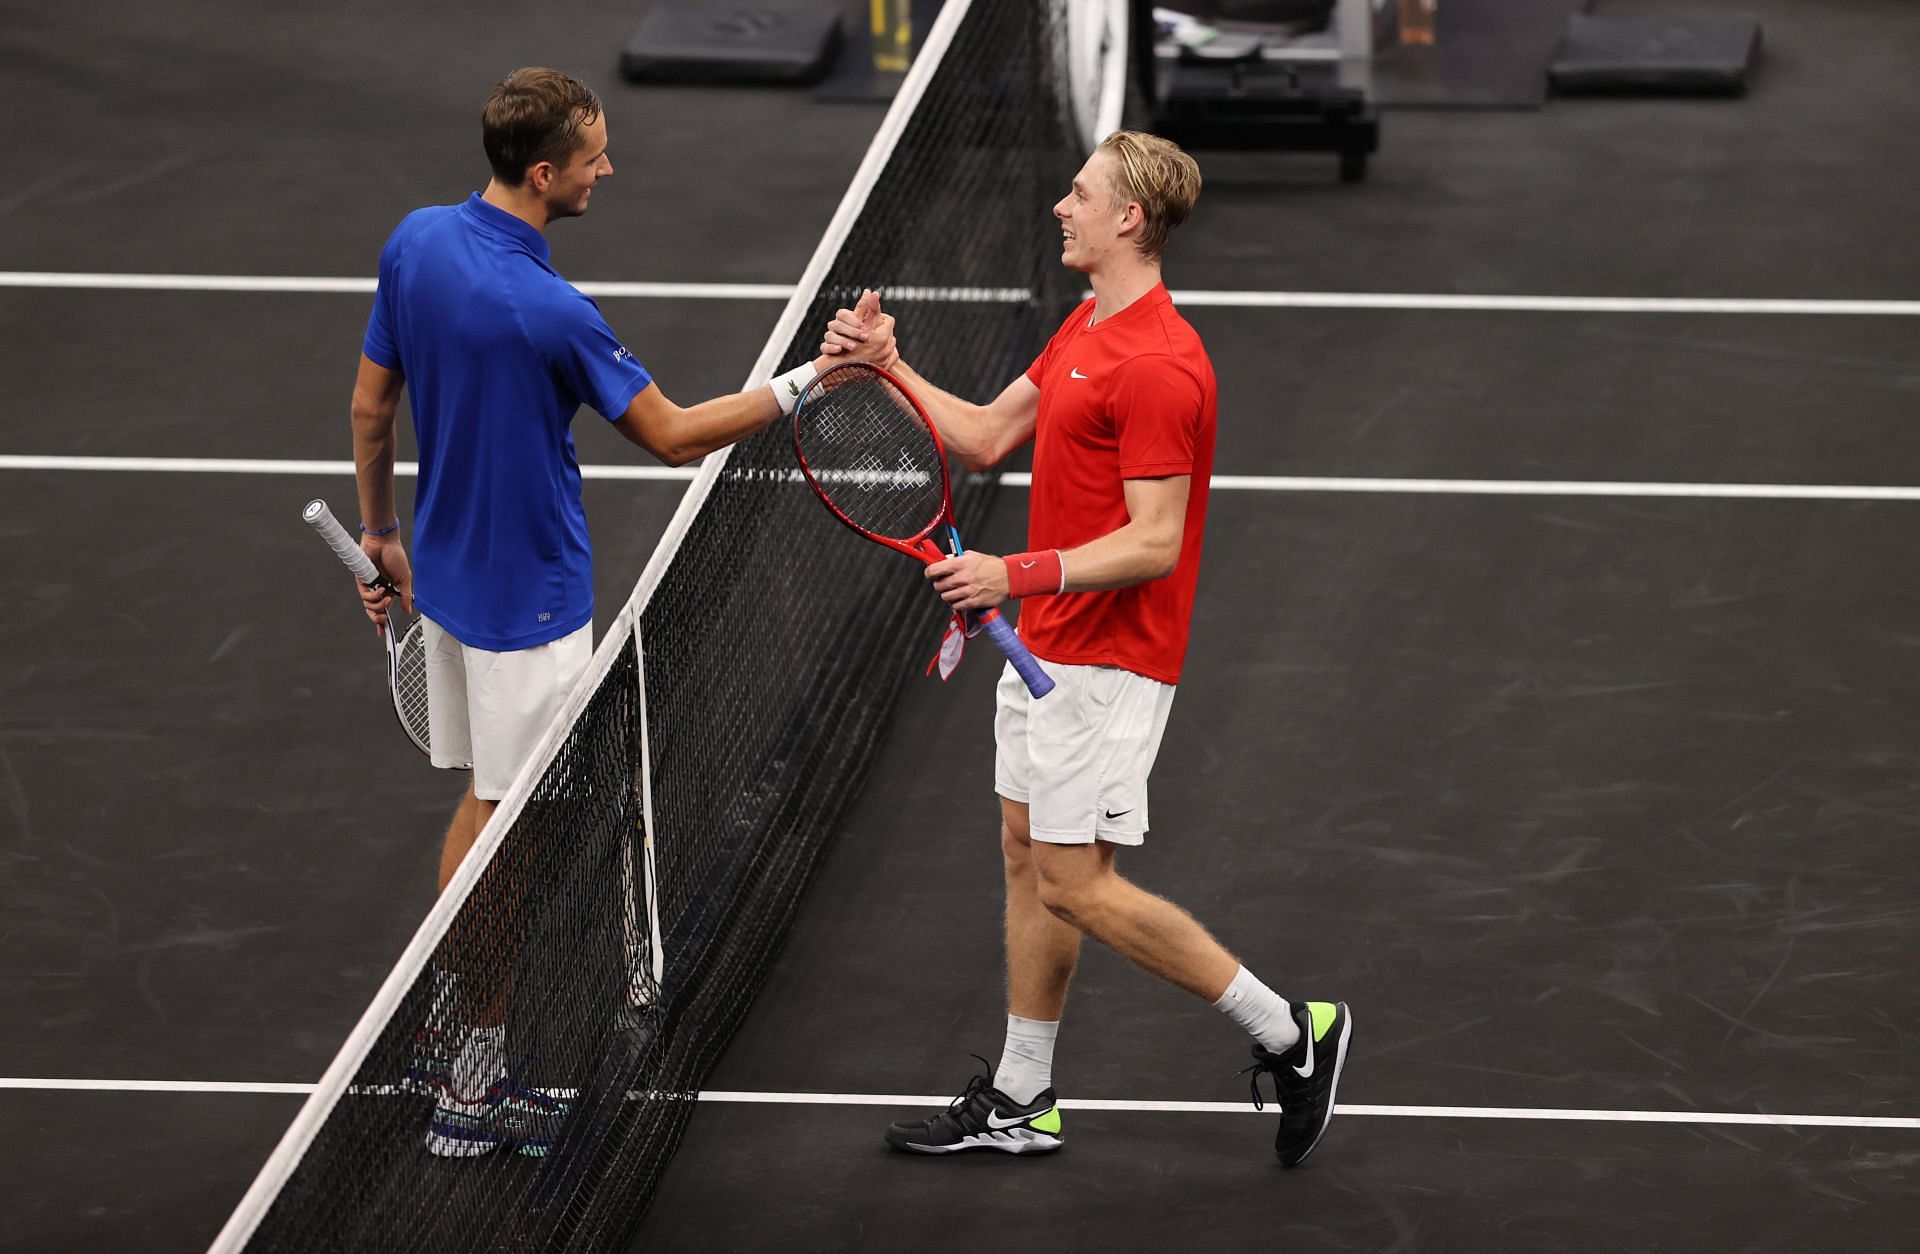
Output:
(384, 531)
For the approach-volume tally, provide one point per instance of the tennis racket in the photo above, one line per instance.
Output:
(875, 460)
(406, 652)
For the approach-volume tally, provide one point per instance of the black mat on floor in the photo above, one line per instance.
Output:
(1689, 54)
(763, 45)
(1486, 54)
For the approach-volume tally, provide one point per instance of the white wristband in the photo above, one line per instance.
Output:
(787, 387)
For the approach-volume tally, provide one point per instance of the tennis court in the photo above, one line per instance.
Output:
(1549, 702)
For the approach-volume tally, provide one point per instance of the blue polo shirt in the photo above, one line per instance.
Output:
(499, 352)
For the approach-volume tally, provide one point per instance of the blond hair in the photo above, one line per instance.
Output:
(1154, 173)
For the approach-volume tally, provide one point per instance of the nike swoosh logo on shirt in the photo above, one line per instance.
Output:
(1075, 373)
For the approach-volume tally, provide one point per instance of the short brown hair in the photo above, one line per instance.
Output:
(534, 115)
(1161, 178)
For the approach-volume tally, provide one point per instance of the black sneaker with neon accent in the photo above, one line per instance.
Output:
(1305, 1076)
(984, 1118)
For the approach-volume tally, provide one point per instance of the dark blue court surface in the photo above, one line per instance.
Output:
(1586, 801)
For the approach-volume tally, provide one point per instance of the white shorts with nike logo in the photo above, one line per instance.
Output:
(1079, 757)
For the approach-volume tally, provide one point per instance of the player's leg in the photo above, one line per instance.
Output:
(441, 1036)
(1095, 753)
(1080, 887)
(450, 728)
(1012, 1110)
(1301, 1045)
(450, 732)
(469, 817)
(1042, 950)
(511, 699)
(1041, 953)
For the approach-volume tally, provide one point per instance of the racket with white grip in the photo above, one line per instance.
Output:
(406, 651)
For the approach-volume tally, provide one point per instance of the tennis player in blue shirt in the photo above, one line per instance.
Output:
(500, 352)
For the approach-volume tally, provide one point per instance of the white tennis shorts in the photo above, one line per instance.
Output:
(1079, 757)
(487, 711)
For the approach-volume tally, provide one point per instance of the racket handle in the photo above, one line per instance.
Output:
(1039, 683)
(321, 519)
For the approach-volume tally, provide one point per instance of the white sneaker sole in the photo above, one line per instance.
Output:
(457, 1147)
(1011, 1141)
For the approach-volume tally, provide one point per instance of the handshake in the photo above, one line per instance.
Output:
(862, 333)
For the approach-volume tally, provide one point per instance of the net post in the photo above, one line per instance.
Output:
(656, 948)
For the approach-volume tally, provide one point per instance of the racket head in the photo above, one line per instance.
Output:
(872, 455)
(407, 680)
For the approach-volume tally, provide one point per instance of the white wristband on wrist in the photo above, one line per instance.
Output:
(787, 387)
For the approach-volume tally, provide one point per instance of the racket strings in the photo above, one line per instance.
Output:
(410, 685)
(872, 455)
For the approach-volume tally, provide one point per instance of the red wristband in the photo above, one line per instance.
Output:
(1035, 574)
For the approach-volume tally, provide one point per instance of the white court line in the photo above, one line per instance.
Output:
(357, 286)
(1559, 487)
(1346, 1108)
(150, 1086)
(287, 466)
(1189, 298)
(1540, 304)
(1548, 1114)
(1021, 479)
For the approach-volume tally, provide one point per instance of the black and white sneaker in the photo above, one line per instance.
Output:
(1305, 1076)
(984, 1118)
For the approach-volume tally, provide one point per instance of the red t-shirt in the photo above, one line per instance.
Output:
(1130, 397)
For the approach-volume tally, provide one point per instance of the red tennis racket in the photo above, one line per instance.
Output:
(874, 458)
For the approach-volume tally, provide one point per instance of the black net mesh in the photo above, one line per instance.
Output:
(763, 708)
(869, 451)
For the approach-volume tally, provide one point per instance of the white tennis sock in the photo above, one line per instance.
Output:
(481, 1061)
(1262, 1012)
(1026, 1065)
(440, 1006)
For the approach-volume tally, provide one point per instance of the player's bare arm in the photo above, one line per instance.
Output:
(1146, 548)
(376, 399)
(678, 435)
(979, 436)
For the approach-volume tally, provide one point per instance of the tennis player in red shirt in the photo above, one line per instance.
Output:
(1120, 410)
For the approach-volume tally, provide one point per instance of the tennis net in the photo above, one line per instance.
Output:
(623, 906)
